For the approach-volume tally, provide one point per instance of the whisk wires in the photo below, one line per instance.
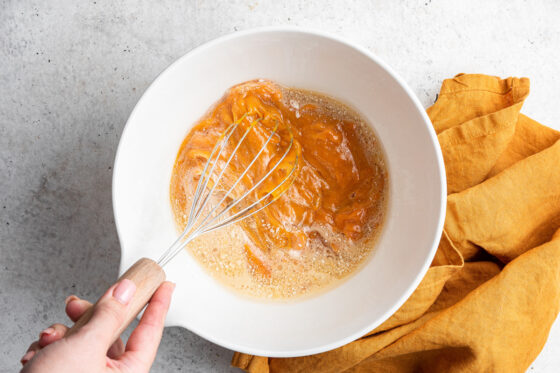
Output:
(203, 194)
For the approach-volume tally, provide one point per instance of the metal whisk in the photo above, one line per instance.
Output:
(149, 275)
(204, 193)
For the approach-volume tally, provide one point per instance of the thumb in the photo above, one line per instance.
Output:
(109, 314)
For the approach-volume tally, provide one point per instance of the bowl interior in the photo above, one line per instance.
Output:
(181, 95)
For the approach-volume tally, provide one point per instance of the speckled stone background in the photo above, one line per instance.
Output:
(71, 72)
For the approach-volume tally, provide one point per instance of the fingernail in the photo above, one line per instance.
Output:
(28, 355)
(174, 285)
(124, 291)
(46, 332)
(70, 299)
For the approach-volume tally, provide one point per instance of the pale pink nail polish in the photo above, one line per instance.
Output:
(70, 299)
(28, 355)
(124, 291)
(46, 332)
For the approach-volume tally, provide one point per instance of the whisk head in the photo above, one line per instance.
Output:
(218, 201)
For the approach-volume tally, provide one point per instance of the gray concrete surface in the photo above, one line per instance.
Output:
(71, 72)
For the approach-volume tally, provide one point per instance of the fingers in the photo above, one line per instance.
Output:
(144, 340)
(56, 332)
(75, 307)
(52, 334)
(33, 348)
(109, 314)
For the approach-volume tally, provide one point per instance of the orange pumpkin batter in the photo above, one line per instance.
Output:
(335, 197)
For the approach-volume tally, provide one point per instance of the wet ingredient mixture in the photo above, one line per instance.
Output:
(324, 225)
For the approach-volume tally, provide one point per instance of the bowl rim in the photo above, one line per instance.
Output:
(433, 137)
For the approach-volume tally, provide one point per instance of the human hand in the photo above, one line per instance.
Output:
(91, 348)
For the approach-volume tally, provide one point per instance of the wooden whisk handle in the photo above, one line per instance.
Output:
(148, 276)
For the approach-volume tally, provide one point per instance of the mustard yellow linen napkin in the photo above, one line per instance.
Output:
(487, 302)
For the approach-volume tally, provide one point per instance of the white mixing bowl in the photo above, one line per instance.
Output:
(303, 59)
